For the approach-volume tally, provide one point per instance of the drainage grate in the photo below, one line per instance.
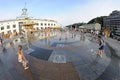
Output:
(59, 59)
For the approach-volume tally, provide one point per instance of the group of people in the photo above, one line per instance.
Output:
(21, 58)
(64, 32)
(82, 34)
(96, 35)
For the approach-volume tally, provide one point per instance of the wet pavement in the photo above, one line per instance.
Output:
(112, 72)
(41, 53)
(81, 54)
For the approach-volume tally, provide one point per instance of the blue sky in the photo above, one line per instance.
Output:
(63, 11)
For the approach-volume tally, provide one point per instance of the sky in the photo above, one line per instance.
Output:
(65, 12)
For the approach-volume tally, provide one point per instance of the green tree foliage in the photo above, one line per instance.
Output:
(76, 24)
(97, 20)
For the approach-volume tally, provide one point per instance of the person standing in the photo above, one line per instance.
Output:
(21, 57)
(1, 41)
(101, 46)
(60, 32)
(66, 34)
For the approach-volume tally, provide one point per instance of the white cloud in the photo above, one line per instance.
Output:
(84, 13)
(78, 13)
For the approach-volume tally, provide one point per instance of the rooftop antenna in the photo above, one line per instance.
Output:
(25, 5)
(24, 12)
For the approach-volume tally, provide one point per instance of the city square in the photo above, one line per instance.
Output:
(42, 49)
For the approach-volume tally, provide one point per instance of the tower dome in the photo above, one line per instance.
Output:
(24, 14)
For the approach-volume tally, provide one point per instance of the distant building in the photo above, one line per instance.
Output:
(112, 22)
(15, 25)
(94, 26)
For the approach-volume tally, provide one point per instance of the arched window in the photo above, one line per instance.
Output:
(48, 24)
(41, 24)
(2, 28)
(14, 26)
(45, 24)
(8, 26)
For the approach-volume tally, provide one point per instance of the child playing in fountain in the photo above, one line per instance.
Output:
(21, 57)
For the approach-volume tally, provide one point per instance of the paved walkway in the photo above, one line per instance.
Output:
(114, 44)
(112, 72)
(81, 61)
(83, 55)
(10, 69)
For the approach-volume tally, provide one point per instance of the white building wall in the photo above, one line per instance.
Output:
(45, 24)
(49, 23)
(9, 23)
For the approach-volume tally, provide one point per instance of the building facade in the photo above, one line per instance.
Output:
(13, 26)
(94, 26)
(112, 22)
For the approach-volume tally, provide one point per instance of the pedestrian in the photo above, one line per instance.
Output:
(82, 35)
(66, 34)
(21, 57)
(11, 42)
(101, 46)
(60, 35)
(1, 41)
(12, 45)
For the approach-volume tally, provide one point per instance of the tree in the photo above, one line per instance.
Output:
(97, 20)
(76, 24)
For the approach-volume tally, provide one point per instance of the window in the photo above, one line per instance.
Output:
(45, 24)
(14, 26)
(51, 24)
(54, 24)
(2, 33)
(8, 32)
(8, 26)
(41, 24)
(2, 28)
(14, 31)
(37, 24)
(37, 28)
(48, 24)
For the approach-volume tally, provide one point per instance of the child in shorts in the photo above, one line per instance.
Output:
(21, 57)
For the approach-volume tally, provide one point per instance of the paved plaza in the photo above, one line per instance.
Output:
(62, 59)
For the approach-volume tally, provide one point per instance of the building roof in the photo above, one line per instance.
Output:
(24, 19)
(115, 13)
